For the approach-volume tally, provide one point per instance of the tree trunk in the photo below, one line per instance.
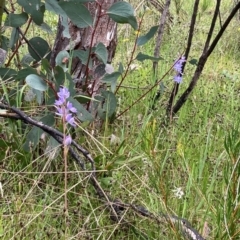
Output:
(104, 31)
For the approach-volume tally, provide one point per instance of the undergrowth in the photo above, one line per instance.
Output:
(188, 168)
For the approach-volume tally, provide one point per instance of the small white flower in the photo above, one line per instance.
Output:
(178, 192)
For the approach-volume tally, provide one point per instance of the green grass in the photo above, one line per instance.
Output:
(198, 152)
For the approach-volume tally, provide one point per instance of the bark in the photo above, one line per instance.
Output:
(104, 30)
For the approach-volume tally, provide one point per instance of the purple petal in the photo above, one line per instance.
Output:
(178, 67)
(71, 108)
(59, 102)
(63, 93)
(178, 64)
(70, 119)
(177, 79)
(60, 111)
(67, 140)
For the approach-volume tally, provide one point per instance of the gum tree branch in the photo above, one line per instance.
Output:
(23, 36)
(214, 19)
(189, 44)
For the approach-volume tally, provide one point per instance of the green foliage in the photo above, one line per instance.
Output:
(35, 9)
(83, 56)
(78, 13)
(122, 12)
(111, 79)
(14, 38)
(106, 104)
(49, 80)
(232, 169)
(29, 5)
(62, 60)
(142, 57)
(138, 157)
(28, 71)
(82, 114)
(38, 48)
(33, 136)
(7, 73)
(101, 52)
(59, 76)
(53, 6)
(144, 39)
(193, 61)
(36, 82)
(16, 20)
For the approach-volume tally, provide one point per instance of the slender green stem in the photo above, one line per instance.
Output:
(132, 55)
(65, 154)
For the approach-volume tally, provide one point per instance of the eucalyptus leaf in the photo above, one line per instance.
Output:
(30, 5)
(113, 86)
(39, 96)
(82, 114)
(108, 78)
(64, 23)
(144, 39)
(7, 73)
(193, 61)
(53, 148)
(31, 94)
(46, 65)
(83, 56)
(45, 27)
(40, 46)
(16, 20)
(35, 82)
(101, 52)
(108, 104)
(27, 59)
(4, 42)
(59, 76)
(123, 12)
(78, 13)
(35, 133)
(62, 60)
(14, 38)
(53, 6)
(111, 79)
(141, 57)
(37, 17)
(120, 67)
(23, 73)
(32, 139)
(83, 99)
